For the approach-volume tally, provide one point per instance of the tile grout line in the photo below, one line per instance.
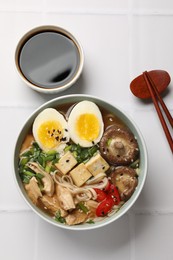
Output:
(5, 210)
(93, 11)
(130, 55)
(132, 236)
(36, 221)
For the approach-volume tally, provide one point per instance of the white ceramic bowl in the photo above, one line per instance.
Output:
(125, 118)
(49, 59)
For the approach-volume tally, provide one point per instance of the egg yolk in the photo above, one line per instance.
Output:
(87, 127)
(50, 134)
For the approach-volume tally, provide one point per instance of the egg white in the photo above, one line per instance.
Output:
(81, 109)
(46, 116)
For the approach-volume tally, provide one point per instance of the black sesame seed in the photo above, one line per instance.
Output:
(63, 139)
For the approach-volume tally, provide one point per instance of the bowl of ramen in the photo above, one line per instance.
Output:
(80, 163)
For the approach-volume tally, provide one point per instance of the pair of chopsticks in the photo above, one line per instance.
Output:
(156, 98)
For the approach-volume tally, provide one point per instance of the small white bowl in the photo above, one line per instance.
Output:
(49, 59)
(70, 99)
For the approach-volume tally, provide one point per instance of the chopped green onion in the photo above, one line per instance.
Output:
(26, 180)
(39, 175)
(135, 164)
(36, 146)
(51, 152)
(81, 206)
(49, 158)
(23, 161)
(26, 154)
(90, 221)
(109, 141)
(59, 218)
(67, 148)
(28, 173)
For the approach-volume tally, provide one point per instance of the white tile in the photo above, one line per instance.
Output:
(157, 193)
(17, 235)
(153, 237)
(154, 5)
(13, 90)
(111, 242)
(12, 120)
(106, 57)
(105, 42)
(22, 5)
(151, 47)
(86, 6)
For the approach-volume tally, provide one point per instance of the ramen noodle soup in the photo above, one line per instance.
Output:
(79, 163)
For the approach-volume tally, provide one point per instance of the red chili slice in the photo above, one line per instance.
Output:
(101, 195)
(105, 207)
(113, 191)
(107, 188)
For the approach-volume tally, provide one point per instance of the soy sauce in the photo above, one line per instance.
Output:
(49, 59)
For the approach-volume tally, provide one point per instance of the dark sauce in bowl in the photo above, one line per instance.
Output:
(49, 59)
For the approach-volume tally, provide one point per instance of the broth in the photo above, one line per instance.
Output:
(109, 120)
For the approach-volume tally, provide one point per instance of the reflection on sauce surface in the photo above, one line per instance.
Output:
(49, 59)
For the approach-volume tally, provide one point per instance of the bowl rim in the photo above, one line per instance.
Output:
(128, 204)
(53, 28)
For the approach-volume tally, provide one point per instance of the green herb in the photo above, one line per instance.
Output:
(39, 175)
(24, 161)
(109, 141)
(58, 217)
(81, 154)
(135, 164)
(36, 154)
(29, 173)
(82, 207)
(90, 221)
(25, 179)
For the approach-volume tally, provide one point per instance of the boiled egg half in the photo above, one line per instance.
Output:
(50, 130)
(85, 124)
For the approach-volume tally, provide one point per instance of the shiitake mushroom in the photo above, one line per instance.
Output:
(118, 146)
(125, 179)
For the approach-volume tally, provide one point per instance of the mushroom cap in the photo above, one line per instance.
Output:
(125, 179)
(118, 146)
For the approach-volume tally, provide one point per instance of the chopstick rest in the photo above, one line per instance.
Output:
(148, 88)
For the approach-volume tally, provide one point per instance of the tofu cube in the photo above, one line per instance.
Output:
(66, 162)
(97, 165)
(80, 174)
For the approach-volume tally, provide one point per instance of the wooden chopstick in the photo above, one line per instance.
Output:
(169, 116)
(155, 98)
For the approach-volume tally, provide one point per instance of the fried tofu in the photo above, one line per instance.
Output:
(97, 165)
(80, 174)
(66, 162)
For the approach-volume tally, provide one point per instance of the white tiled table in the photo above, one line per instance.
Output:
(121, 39)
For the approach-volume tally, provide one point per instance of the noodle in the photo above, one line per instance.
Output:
(85, 193)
